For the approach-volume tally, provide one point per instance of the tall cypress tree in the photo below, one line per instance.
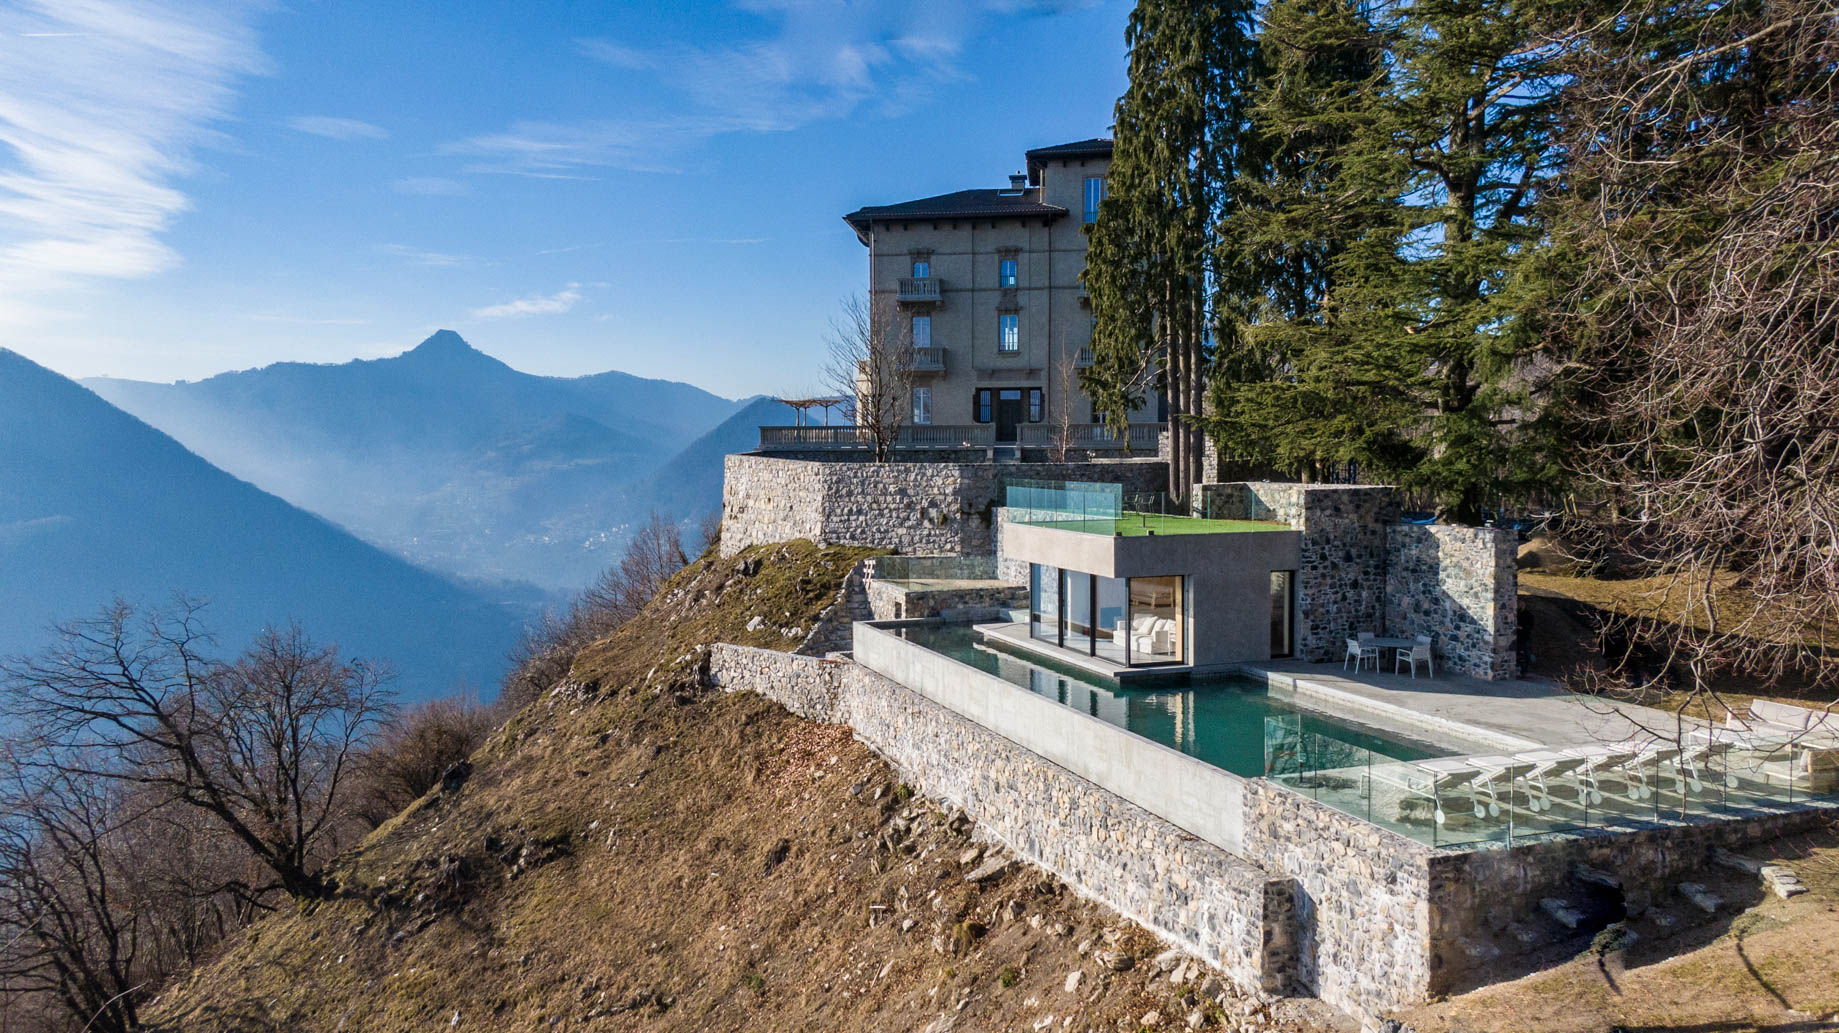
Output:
(1299, 393)
(1152, 270)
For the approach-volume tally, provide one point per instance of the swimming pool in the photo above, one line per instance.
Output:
(1232, 723)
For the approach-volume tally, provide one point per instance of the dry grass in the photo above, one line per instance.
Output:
(647, 856)
(1767, 968)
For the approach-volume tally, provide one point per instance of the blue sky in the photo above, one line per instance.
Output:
(190, 187)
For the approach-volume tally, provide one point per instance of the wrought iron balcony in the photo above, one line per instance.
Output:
(919, 289)
(928, 360)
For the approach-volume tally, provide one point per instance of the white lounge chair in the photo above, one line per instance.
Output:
(1546, 768)
(1432, 782)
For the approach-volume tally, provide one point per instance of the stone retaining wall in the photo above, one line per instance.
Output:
(835, 627)
(1458, 585)
(1215, 905)
(910, 507)
(894, 600)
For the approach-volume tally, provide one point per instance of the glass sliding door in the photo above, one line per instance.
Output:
(1283, 607)
(1077, 590)
(1156, 628)
(1044, 603)
(1109, 630)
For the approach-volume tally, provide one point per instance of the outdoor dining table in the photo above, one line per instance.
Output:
(1392, 644)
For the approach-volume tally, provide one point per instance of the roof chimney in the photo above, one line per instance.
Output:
(1018, 181)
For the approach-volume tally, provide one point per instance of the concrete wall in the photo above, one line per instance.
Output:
(1458, 585)
(1228, 608)
(1184, 790)
(917, 508)
(1213, 904)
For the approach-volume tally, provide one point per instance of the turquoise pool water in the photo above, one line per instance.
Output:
(1232, 723)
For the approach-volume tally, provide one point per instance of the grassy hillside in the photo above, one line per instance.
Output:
(636, 853)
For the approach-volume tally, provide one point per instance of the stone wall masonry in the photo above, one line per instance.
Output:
(1363, 936)
(894, 600)
(835, 627)
(910, 507)
(1458, 585)
(1217, 906)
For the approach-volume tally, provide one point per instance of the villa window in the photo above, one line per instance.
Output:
(1095, 193)
(983, 405)
(1128, 621)
(922, 268)
(1005, 275)
(1035, 405)
(922, 405)
(1009, 333)
(922, 331)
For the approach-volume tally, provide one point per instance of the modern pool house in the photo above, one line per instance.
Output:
(1124, 586)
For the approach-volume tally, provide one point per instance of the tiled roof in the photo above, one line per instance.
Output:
(964, 204)
(1097, 147)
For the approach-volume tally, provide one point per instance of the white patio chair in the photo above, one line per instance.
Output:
(1369, 650)
(1358, 655)
(1420, 653)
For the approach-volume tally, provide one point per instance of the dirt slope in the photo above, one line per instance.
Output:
(636, 854)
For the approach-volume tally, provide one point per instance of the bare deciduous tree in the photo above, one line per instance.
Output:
(871, 365)
(414, 750)
(263, 744)
(1704, 185)
(1066, 388)
(547, 651)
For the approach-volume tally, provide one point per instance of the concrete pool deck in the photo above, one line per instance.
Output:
(1505, 715)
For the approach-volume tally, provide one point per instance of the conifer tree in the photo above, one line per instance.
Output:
(1152, 269)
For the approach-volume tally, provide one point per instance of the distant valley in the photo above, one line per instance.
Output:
(95, 505)
(452, 459)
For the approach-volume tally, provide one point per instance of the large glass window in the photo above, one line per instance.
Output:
(1283, 606)
(1044, 603)
(1155, 620)
(922, 331)
(922, 405)
(1009, 332)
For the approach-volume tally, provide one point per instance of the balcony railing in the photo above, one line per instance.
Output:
(919, 288)
(1136, 437)
(931, 435)
(928, 360)
(1082, 359)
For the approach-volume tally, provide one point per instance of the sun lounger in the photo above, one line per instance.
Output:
(1545, 768)
(1431, 780)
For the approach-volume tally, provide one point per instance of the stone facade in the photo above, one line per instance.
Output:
(1217, 906)
(1363, 940)
(1458, 585)
(1362, 570)
(917, 508)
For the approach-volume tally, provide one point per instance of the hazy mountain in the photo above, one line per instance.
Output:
(443, 454)
(94, 504)
(691, 483)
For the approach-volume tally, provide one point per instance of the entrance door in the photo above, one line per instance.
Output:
(1009, 414)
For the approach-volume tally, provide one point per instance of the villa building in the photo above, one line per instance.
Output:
(985, 287)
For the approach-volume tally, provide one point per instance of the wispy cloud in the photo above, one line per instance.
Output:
(282, 317)
(823, 61)
(337, 128)
(101, 106)
(541, 305)
(419, 256)
(430, 186)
